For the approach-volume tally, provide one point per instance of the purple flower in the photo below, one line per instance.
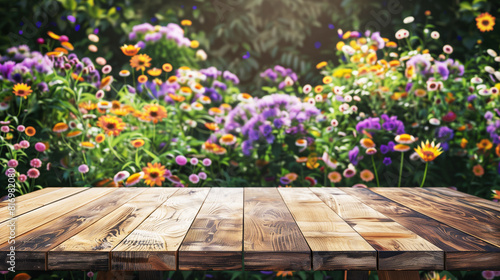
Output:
(193, 178)
(246, 147)
(442, 69)
(83, 168)
(194, 161)
(202, 175)
(220, 85)
(207, 162)
(444, 134)
(391, 145)
(377, 38)
(284, 180)
(278, 123)
(353, 155)
(266, 130)
(384, 149)
(230, 77)
(369, 123)
(408, 86)
(471, 97)
(488, 275)
(421, 62)
(181, 160)
(387, 161)
(488, 115)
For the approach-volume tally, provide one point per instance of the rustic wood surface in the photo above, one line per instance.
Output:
(477, 221)
(335, 245)
(161, 229)
(215, 237)
(272, 238)
(398, 248)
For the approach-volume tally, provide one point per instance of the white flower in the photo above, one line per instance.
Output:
(435, 35)
(402, 34)
(434, 121)
(347, 98)
(497, 75)
(489, 69)
(408, 20)
(319, 98)
(201, 55)
(497, 59)
(447, 49)
(288, 81)
(492, 52)
(484, 92)
(307, 89)
(476, 80)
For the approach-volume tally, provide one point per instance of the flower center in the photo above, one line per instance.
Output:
(110, 126)
(486, 22)
(154, 174)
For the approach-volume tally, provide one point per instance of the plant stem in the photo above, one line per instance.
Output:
(376, 174)
(425, 174)
(401, 169)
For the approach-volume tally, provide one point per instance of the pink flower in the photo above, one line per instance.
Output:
(194, 161)
(12, 163)
(207, 162)
(202, 175)
(488, 275)
(181, 160)
(17, 147)
(350, 171)
(49, 165)
(24, 144)
(120, 176)
(83, 168)
(9, 171)
(36, 163)
(40, 147)
(22, 178)
(21, 128)
(5, 128)
(194, 178)
(90, 274)
(33, 173)
(360, 186)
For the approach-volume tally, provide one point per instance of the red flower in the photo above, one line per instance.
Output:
(450, 117)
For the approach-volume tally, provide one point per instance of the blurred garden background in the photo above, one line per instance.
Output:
(233, 93)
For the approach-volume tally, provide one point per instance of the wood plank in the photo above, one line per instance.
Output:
(153, 245)
(475, 221)
(457, 245)
(31, 195)
(214, 241)
(272, 239)
(32, 247)
(334, 244)
(448, 193)
(100, 238)
(36, 202)
(398, 248)
(52, 211)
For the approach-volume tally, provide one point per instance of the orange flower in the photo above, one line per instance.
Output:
(88, 145)
(106, 81)
(140, 62)
(484, 145)
(318, 89)
(30, 131)
(54, 54)
(154, 174)
(74, 133)
(367, 143)
(155, 112)
(137, 143)
(186, 22)
(405, 139)
(366, 175)
(68, 46)
(167, 67)
(59, 49)
(142, 79)
(22, 90)
(130, 50)
(401, 148)
(134, 179)
(212, 126)
(177, 98)
(60, 127)
(22, 276)
(327, 79)
(77, 77)
(463, 143)
(53, 35)
(284, 273)
(485, 22)
(100, 138)
(227, 139)
(154, 72)
(112, 125)
(87, 105)
(478, 170)
(497, 150)
(428, 152)
(334, 177)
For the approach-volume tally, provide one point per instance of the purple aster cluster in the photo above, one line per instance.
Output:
(150, 33)
(391, 124)
(257, 119)
(83, 68)
(445, 68)
(443, 135)
(494, 130)
(279, 74)
(20, 64)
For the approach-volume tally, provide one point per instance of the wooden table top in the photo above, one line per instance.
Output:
(144, 229)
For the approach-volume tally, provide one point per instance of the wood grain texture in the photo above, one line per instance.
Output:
(99, 238)
(471, 200)
(42, 199)
(334, 244)
(457, 245)
(476, 221)
(214, 241)
(153, 245)
(272, 239)
(398, 248)
(39, 241)
(51, 211)
(31, 195)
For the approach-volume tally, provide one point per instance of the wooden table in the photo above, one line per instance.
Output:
(152, 229)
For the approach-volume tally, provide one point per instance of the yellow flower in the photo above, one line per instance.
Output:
(484, 145)
(112, 125)
(155, 112)
(186, 22)
(405, 139)
(429, 152)
(22, 90)
(154, 72)
(321, 64)
(485, 22)
(463, 143)
(195, 44)
(137, 143)
(327, 79)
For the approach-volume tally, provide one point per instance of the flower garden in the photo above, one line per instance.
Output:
(159, 108)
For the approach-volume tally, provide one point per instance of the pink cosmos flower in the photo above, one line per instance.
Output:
(21, 128)
(22, 178)
(24, 144)
(33, 173)
(12, 163)
(36, 163)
